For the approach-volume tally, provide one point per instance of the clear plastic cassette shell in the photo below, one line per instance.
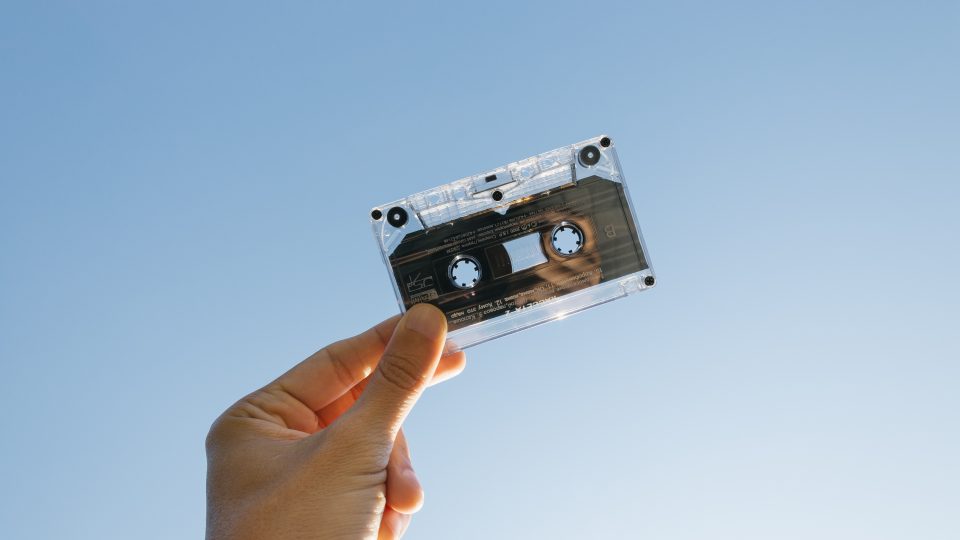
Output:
(522, 244)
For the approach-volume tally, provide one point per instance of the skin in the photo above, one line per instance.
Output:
(319, 452)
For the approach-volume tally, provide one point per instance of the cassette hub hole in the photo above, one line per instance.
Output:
(567, 239)
(464, 272)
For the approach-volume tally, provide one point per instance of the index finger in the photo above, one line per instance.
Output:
(333, 370)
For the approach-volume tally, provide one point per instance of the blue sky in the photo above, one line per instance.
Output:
(184, 192)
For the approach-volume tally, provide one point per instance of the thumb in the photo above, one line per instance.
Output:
(404, 370)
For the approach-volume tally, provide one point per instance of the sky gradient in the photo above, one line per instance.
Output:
(184, 198)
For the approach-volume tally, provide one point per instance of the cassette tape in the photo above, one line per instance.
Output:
(523, 244)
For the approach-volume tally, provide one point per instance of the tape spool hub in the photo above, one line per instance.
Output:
(566, 239)
(464, 272)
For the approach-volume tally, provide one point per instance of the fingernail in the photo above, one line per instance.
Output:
(426, 320)
(411, 478)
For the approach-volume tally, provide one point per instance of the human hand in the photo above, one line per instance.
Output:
(319, 453)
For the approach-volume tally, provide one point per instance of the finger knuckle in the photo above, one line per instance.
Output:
(336, 355)
(402, 371)
(212, 439)
(221, 433)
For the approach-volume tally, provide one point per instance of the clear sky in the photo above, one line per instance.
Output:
(184, 198)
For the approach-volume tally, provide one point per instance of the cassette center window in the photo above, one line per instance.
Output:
(524, 252)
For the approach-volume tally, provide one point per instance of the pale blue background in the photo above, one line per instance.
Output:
(183, 215)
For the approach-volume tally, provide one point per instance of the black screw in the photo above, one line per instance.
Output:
(605, 142)
(649, 281)
(376, 214)
(497, 195)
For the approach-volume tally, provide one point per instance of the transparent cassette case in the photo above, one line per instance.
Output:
(523, 244)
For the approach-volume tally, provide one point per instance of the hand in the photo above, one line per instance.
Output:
(319, 453)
